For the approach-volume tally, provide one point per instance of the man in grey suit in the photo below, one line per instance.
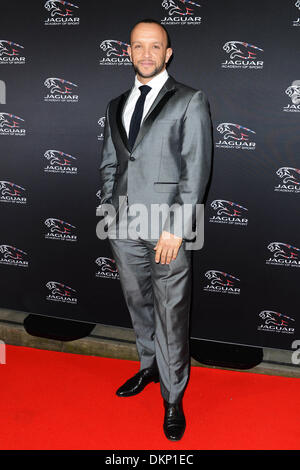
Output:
(157, 150)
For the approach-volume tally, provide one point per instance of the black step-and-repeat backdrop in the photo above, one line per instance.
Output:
(60, 63)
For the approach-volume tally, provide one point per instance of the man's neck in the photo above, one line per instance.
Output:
(145, 80)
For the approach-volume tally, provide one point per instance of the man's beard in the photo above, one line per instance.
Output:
(155, 72)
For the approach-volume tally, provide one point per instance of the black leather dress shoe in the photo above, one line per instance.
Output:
(174, 422)
(138, 382)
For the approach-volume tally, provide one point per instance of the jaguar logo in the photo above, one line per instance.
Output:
(284, 250)
(60, 289)
(179, 7)
(243, 50)
(58, 85)
(101, 121)
(59, 158)
(220, 278)
(113, 47)
(234, 131)
(293, 91)
(227, 207)
(10, 120)
(10, 252)
(107, 264)
(275, 318)
(10, 189)
(59, 226)
(289, 175)
(60, 8)
(9, 48)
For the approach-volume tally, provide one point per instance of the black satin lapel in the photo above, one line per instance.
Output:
(158, 104)
(119, 115)
(169, 86)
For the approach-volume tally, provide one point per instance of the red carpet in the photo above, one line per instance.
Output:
(52, 400)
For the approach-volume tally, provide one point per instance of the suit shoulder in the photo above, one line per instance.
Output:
(189, 92)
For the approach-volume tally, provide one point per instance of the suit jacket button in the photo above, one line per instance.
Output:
(132, 159)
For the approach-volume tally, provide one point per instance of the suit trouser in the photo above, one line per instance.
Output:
(158, 299)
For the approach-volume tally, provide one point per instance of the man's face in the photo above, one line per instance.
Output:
(148, 50)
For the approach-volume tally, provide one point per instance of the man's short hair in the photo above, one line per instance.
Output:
(150, 20)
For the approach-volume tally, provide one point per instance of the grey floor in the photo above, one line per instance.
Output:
(115, 342)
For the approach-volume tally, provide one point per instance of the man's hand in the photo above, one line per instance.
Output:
(167, 247)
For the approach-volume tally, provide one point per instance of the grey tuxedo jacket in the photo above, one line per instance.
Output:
(170, 162)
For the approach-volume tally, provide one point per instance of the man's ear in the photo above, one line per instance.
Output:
(129, 51)
(169, 54)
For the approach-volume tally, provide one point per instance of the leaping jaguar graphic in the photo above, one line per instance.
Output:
(101, 121)
(12, 252)
(284, 250)
(60, 8)
(243, 50)
(9, 48)
(113, 47)
(275, 318)
(10, 120)
(234, 131)
(59, 158)
(179, 7)
(227, 207)
(59, 85)
(60, 289)
(107, 264)
(10, 189)
(59, 226)
(289, 175)
(221, 278)
(293, 91)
